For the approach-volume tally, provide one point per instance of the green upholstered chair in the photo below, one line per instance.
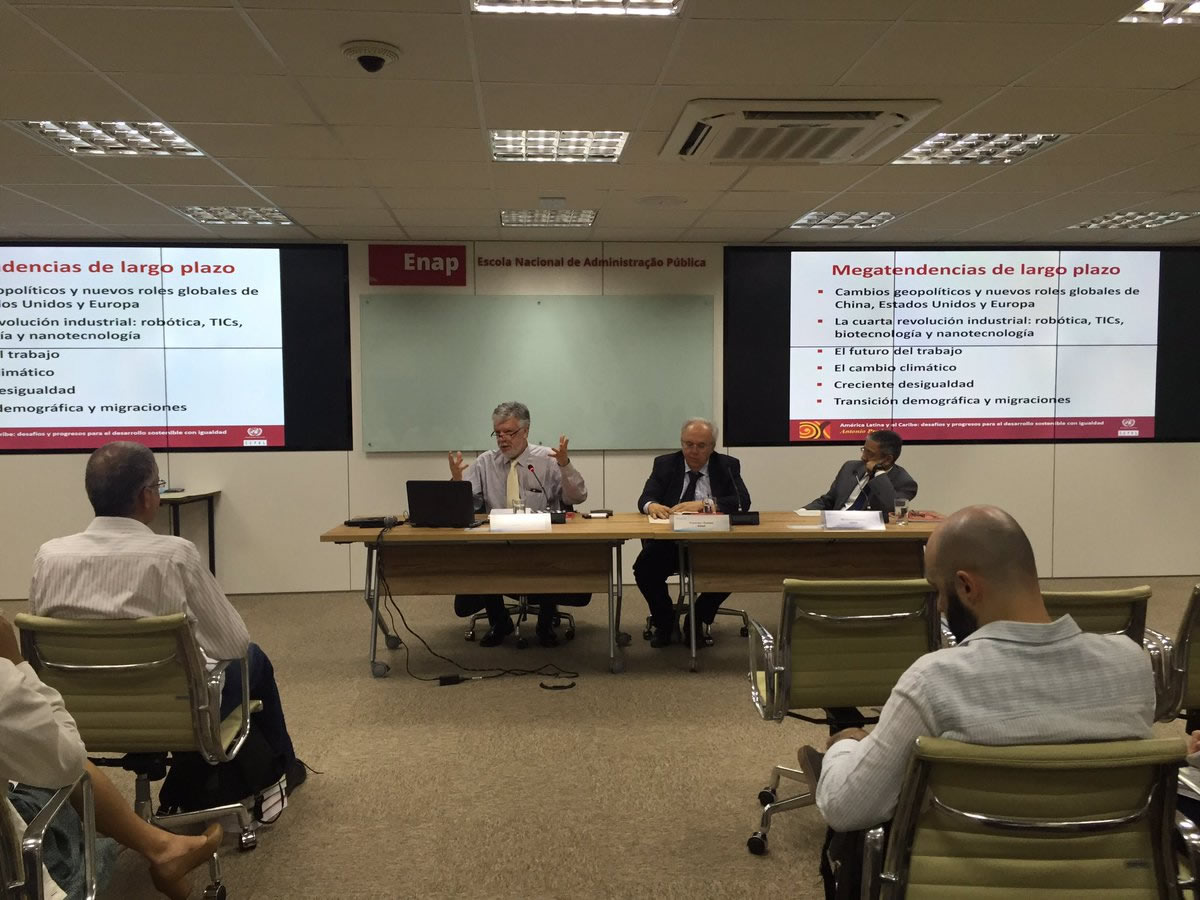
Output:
(140, 688)
(21, 854)
(1116, 612)
(840, 643)
(1181, 696)
(1061, 821)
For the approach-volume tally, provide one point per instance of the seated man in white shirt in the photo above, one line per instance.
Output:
(1016, 677)
(119, 569)
(541, 479)
(40, 746)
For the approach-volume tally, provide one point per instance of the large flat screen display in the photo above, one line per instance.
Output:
(958, 345)
(174, 347)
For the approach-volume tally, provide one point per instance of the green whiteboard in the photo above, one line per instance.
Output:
(611, 372)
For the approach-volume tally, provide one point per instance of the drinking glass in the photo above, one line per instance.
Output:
(901, 511)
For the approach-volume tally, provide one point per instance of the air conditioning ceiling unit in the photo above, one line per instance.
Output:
(788, 132)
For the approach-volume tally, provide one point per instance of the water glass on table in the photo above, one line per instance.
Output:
(901, 511)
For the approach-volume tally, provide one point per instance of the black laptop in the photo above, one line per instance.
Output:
(440, 504)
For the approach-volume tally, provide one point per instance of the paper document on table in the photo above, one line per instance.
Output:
(654, 521)
(854, 520)
(807, 513)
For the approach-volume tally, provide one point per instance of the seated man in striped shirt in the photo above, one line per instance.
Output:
(1016, 677)
(119, 569)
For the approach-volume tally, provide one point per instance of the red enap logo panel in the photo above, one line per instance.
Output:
(427, 265)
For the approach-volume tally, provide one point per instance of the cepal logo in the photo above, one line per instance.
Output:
(811, 431)
(1129, 423)
(254, 432)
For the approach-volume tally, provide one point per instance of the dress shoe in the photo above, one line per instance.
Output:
(702, 640)
(496, 635)
(297, 774)
(662, 638)
(546, 637)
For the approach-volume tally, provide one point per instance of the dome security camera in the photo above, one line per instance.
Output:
(371, 55)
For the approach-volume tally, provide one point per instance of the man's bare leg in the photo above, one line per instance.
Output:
(171, 856)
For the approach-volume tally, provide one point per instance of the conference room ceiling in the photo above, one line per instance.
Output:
(286, 121)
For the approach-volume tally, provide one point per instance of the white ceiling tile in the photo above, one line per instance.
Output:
(403, 144)
(20, 209)
(417, 104)
(82, 231)
(167, 40)
(771, 52)
(453, 7)
(1051, 110)
(254, 99)
(597, 107)
(545, 48)
(324, 217)
(875, 201)
(458, 218)
(635, 233)
(64, 96)
(449, 233)
(297, 172)
(771, 218)
(442, 198)
(260, 233)
(771, 200)
(185, 231)
(296, 141)
(728, 235)
(1120, 151)
(528, 199)
(105, 204)
(202, 195)
(309, 42)
(919, 179)
(555, 179)
(161, 170)
(24, 47)
(1172, 174)
(1124, 56)
(675, 176)
(696, 200)
(639, 217)
(1027, 178)
(1176, 112)
(1088, 12)
(333, 197)
(358, 232)
(881, 10)
(802, 178)
(56, 169)
(388, 173)
(959, 53)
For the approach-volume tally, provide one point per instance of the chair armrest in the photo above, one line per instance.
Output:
(1168, 689)
(764, 693)
(33, 840)
(213, 748)
(948, 637)
(1189, 834)
(872, 870)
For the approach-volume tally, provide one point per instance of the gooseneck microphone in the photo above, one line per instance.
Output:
(556, 516)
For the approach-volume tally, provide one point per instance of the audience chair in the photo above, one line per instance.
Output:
(840, 643)
(1181, 697)
(140, 688)
(1055, 820)
(521, 610)
(21, 855)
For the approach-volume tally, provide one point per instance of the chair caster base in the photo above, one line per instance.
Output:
(647, 634)
(766, 796)
(215, 892)
(757, 844)
(522, 643)
(624, 638)
(392, 641)
(745, 631)
(569, 634)
(247, 841)
(380, 669)
(617, 666)
(469, 635)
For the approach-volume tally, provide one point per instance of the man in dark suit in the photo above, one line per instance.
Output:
(874, 481)
(689, 480)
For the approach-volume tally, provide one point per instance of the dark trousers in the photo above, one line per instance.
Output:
(658, 561)
(269, 723)
(468, 604)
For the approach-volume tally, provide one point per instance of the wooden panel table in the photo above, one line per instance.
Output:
(585, 555)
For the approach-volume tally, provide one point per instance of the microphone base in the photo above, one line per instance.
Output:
(743, 518)
(559, 518)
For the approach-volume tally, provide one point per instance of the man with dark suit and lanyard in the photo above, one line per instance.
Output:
(872, 482)
(690, 480)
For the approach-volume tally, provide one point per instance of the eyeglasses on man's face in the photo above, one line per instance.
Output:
(507, 434)
(157, 485)
(696, 445)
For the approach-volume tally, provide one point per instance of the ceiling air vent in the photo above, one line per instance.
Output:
(788, 132)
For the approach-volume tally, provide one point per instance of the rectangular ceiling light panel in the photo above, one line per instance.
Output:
(113, 138)
(976, 149)
(861, 219)
(558, 146)
(1157, 12)
(235, 215)
(548, 218)
(1137, 219)
(581, 7)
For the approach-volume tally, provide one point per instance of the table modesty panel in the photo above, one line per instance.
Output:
(478, 567)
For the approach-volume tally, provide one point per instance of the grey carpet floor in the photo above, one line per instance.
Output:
(635, 785)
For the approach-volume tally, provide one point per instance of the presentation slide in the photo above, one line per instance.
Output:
(973, 344)
(172, 347)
